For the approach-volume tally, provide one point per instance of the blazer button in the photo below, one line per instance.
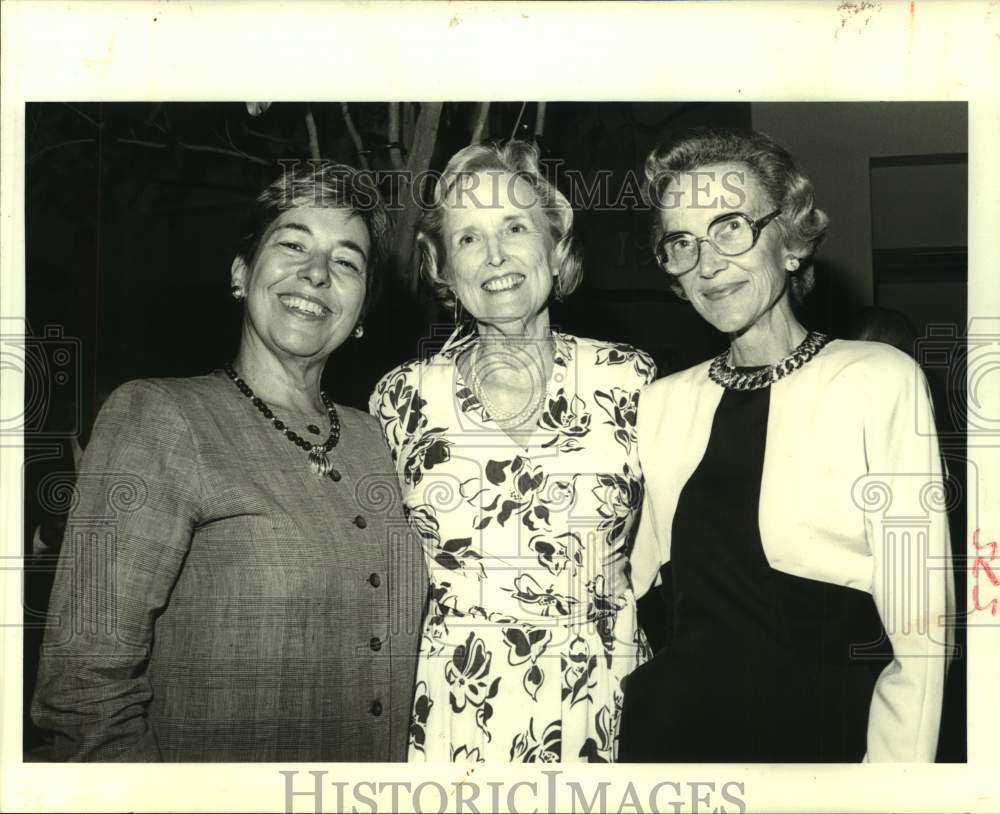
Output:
(376, 708)
(374, 580)
(360, 522)
(375, 643)
(335, 475)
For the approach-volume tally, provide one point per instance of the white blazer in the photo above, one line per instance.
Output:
(851, 495)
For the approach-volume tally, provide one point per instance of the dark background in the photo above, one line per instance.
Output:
(134, 211)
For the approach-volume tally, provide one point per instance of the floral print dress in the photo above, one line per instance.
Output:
(531, 625)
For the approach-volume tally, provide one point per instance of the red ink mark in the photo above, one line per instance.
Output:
(992, 545)
(989, 571)
(913, 7)
(991, 606)
(982, 562)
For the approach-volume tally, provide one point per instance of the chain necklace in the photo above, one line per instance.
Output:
(496, 413)
(721, 372)
(318, 457)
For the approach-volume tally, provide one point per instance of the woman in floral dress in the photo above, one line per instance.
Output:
(515, 448)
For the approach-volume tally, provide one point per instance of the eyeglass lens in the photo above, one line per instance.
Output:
(729, 236)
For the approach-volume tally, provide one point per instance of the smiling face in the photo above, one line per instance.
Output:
(498, 249)
(731, 293)
(306, 289)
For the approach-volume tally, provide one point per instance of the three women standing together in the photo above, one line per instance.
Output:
(544, 498)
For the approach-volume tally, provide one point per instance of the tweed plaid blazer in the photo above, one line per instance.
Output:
(217, 601)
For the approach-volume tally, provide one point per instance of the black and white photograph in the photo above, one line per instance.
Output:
(357, 431)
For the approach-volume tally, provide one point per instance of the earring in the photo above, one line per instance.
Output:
(455, 310)
(359, 331)
(237, 292)
(793, 264)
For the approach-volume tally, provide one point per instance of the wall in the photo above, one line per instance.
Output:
(832, 144)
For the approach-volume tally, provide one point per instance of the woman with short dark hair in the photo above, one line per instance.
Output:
(759, 465)
(226, 591)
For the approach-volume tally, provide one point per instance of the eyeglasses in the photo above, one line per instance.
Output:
(731, 235)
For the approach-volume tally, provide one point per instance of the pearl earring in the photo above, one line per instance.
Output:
(237, 292)
(359, 331)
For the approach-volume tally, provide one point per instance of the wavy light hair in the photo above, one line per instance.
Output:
(517, 158)
(803, 226)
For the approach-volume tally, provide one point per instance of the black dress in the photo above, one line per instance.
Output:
(759, 663)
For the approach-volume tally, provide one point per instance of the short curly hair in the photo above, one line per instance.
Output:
(517, 158)
(802, 225)
(328, 185)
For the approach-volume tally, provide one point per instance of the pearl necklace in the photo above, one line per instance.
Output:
(318, 457)
(496, 413)
(721, 372)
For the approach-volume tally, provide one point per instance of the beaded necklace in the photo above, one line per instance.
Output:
(721, 372)
(496, 413)
(318, 457)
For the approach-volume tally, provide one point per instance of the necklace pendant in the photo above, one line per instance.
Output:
(319, 461)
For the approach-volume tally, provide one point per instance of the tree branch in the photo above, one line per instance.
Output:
(80, 113)
(355, 136)
(540, 121)
(395, 154)
(313, 134)
(35, 156)
(482, 114)
(198, 148)
(517, 121)
(424, 139)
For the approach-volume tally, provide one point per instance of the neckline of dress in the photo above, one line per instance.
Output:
(563, 346)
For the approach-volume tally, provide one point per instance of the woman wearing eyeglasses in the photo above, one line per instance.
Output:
(787, 579)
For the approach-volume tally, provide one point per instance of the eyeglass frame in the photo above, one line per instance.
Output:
(756, 227)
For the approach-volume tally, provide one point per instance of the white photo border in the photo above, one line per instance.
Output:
(827, 50)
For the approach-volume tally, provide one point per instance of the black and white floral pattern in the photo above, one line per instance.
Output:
(531, 624)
